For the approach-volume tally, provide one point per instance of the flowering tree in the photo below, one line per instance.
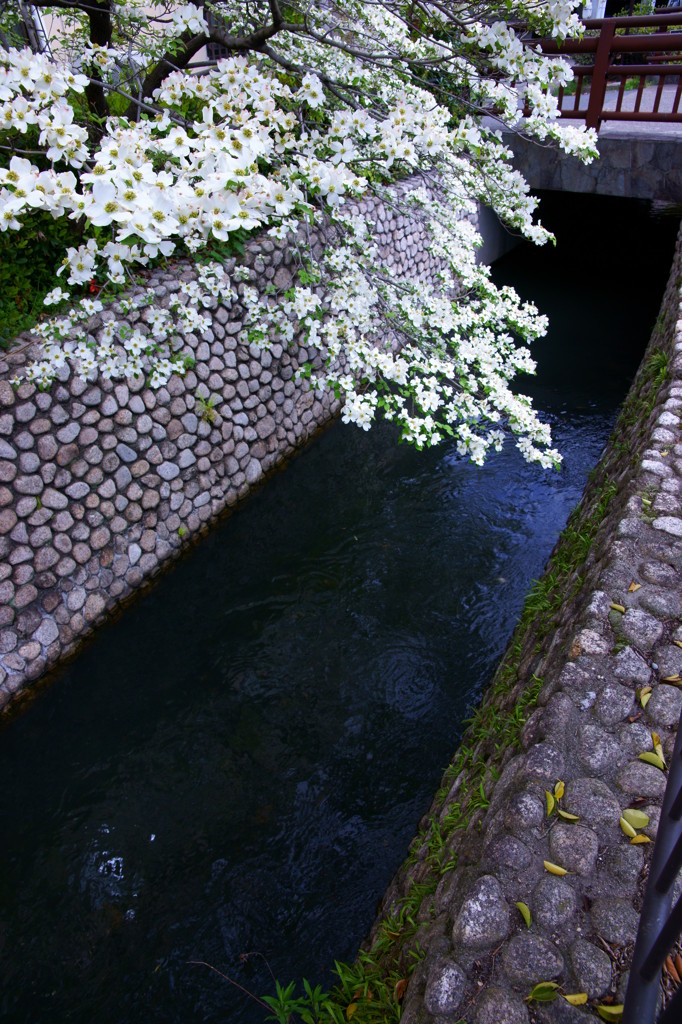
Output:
(312, 105)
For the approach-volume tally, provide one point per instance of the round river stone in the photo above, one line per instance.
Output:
(483, 919)
(591, 967)
(574, 847)
(530, 958)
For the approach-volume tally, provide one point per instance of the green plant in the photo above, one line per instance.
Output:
(644, 7)
(27, 271)
(206, 408)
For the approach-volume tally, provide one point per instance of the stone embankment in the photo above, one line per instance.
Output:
(612, 626)
(103, 483)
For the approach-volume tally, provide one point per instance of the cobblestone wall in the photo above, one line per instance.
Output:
(618, 629)
(102, 483)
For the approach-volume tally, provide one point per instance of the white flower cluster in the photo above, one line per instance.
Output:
(190, 18)
(34, 92)
(115, 350)
(273, 141)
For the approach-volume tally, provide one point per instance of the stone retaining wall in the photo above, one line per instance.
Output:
(483, 845)
(632, 163)
(101, 484)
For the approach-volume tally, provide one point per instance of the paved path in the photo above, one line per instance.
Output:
(635, 129)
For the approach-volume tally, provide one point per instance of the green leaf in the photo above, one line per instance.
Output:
(525, 913)
(543, 992)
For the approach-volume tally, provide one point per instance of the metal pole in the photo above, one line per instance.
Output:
(643, 989)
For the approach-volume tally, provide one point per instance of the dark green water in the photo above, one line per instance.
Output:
(240, 762)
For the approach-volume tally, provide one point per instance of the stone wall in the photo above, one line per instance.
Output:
(617, 628)
(633, 164)
(103, 483)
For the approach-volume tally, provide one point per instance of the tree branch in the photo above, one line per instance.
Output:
(99, 17)
(171, 61)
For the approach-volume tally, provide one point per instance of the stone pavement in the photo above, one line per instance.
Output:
(652, 130)
(621, 632)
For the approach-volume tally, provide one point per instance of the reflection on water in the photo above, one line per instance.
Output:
(239, 763)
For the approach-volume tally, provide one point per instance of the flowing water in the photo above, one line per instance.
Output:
(239, 762)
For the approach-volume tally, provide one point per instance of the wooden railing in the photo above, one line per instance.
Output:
(605, 84)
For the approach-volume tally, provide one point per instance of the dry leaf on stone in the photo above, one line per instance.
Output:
(627, 828)
(633, 587)
(554, 869)
(650, 758)
(612, 1013)
(638, 840)
(576, 998)
(618, 607)
(567, 816)
(638, 819)
(644, 695)
(550, 802)
(559, 790)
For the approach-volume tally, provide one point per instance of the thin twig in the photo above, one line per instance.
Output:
(202, 963)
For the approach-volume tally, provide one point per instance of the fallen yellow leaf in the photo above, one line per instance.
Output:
(525, 912)
(638, 819)
(611, 1013)
(627, 828)
(650, 758)
(554, 869)
(576, 998)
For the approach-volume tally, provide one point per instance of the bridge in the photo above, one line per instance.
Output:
(627, 85)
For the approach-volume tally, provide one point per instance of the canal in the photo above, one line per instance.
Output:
(237, 765)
